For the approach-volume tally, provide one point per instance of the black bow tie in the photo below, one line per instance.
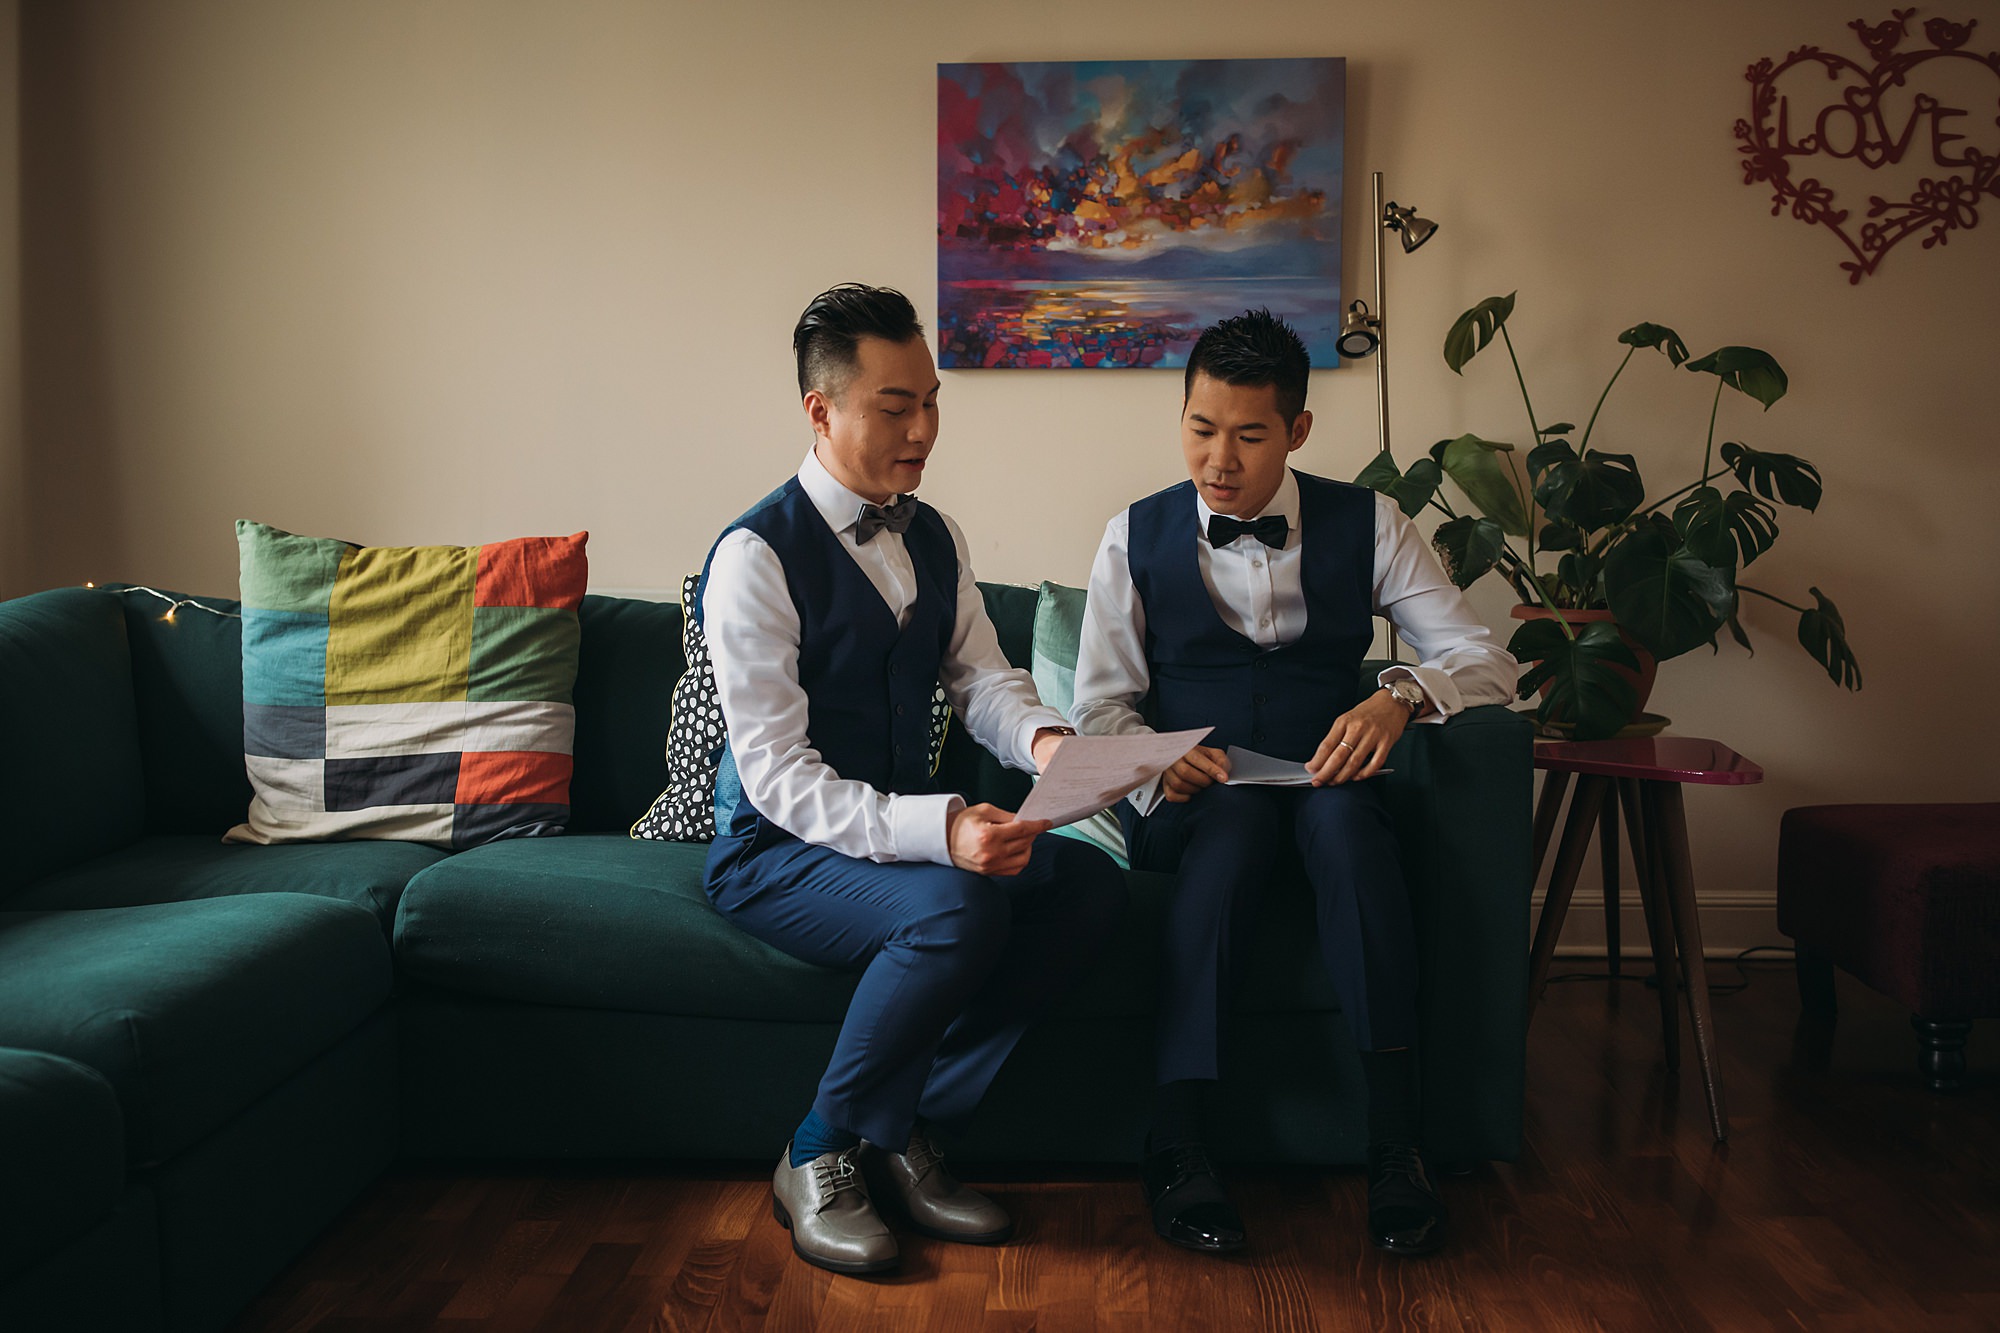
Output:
(1272, 529)
(895, 516)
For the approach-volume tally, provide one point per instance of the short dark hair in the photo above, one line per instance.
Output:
(1255, 347)
(835, 322)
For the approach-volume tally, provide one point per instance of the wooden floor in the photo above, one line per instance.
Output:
(1847, 1199)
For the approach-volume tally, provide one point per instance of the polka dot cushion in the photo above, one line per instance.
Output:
(685, 811)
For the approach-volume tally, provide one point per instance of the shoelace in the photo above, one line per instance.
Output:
(1399, 1159)
(1190, 1159)
(922, 1156)
(835, 1176)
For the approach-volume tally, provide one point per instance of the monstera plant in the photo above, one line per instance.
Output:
(1569, 526)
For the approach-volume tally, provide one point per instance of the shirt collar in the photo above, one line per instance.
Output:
(836, 504)
(1284, 503)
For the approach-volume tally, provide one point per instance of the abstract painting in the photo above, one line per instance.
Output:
(1100, 214)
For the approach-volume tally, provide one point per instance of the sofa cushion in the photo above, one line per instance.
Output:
(168, 869)
(62, 1154)
(603, 922)
(417, 693)
(191, 1010)
(187, 684)
(70, 784)
(625, 674)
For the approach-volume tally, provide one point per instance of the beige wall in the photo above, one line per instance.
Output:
(449, 272)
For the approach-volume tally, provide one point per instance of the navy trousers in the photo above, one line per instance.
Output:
(1227, 844)
(955, 965)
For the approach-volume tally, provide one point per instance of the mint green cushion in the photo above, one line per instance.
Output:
(169, 869)
(71, 780)
(192, 1011)
(1058, 627)
(62, 1154)
(964, 766)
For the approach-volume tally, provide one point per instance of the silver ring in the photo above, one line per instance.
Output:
(1338, 744)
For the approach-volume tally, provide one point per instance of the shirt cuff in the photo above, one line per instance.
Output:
(1146, 797)
(1024, 738)
(920, 826)
(1438, 688)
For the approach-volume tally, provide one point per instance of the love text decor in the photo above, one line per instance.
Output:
(1929, 110)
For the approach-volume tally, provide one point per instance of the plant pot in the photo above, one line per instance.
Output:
(1642, 679)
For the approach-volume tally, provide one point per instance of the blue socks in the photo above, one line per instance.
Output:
(814, 1137)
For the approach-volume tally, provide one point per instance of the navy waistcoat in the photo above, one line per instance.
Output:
(1281, 701)
(868, 683)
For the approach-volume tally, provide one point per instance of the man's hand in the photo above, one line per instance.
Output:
(1198, 768)
(990, 841)
(1359, 740)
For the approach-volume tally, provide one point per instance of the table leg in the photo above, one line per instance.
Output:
(1668, 826)
(1550, 805)
(1607, 846)
(1659, 928)
(1583, 810)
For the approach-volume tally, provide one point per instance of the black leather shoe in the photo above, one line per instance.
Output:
(1189, 1205)
(1405, 1214)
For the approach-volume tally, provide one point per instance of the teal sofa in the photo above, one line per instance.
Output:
(207, 1051)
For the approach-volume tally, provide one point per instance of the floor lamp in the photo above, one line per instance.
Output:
(1364, 332)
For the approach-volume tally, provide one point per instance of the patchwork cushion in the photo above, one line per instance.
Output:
(1058, 628)
(192, 1011)
(418, 693)
(685, 811)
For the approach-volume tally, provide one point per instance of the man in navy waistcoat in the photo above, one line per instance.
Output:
(1243, 599)
(833, 610)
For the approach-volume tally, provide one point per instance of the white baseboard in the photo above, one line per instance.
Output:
(1730, 923)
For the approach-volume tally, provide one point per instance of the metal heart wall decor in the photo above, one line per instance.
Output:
(1818, 111)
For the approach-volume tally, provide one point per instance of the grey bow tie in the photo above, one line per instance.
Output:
(895, 516)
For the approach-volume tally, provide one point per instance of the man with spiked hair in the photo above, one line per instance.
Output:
(833, 609)
(1244, 599)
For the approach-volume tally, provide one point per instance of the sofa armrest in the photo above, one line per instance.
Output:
(72, 785)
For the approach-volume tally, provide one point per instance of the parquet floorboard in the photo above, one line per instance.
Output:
(1848, 1198)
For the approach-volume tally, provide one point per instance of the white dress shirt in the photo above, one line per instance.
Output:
(753, 639)
(1259, 592)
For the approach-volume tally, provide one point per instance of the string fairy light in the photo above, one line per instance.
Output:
(174, 604)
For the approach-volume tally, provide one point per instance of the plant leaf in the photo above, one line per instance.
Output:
(1670, 600)
(1656, 335)
(1560, 537)
(1738, 633)
(1723, 529)
(1747, 369)
(1545, 456)
(1560, 428)
(1410, 490)
(1468, 547)
(1782, 477)
(1824, 634)
(1580, 572)
(1474, 329)
(1584, 689)
(1471, 462)
(1593, 491)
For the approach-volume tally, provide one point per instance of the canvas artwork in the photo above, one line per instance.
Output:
(1099, 214)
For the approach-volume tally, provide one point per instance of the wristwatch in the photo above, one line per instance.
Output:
(1407, 691)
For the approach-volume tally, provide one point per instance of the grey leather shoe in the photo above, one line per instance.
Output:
(915, 1186)
(825, 1205)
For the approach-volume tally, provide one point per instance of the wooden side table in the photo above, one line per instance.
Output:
(1644, 777)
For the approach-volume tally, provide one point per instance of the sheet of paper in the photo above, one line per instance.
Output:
(1247, 768)
(1089, 773)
